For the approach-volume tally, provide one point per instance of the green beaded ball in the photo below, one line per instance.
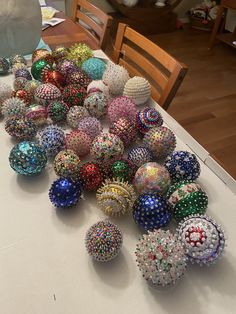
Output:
(121, 169)
(187, 198)
(57, 111)
(38, 67)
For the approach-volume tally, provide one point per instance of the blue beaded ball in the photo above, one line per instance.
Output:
(139, 156)
(65, 192)
(151, 211)
(182, 165)
(27, 158)
(94, 68)
(52, 140)
(148, 118)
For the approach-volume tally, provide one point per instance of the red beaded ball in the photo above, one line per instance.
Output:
(54, 77)
(91, 176)
(74, 95)
(125, 129)
(27, 97)
(79, 142)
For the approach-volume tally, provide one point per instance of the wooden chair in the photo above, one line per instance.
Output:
(141, 57)
(93, 20)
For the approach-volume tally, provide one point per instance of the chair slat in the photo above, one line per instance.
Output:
(90, 22)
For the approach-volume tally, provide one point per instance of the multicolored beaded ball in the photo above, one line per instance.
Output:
(67, 164)
(13, 107)
(99, 86)
(31, 86)
(152, 177)
(115, 197)
(106, 146)
(96, 104)
(161, 141)
(160, 257)
(187, 198)
(57, 111)
(19, 83)
(91, 126)
(52, 139)
(147, 119)
(94, 68)
(151, 211)
(139, 156)
(46, 93)
(66, 67)
(38, 114)
(18, 66)
(103, 241)
(125, 129)
(20, 128)
(120, 168)
(59, 53)
(42, 54)
(27, 158)
(79, 142)
(121, 107)
(91, 175)
(38, 67)
(4, 66)
(78, 77)
(65, 192)
(138, 89)
(182, 165)
(17, 59)
(23, 95)
(202, 238)
(23, 73)
(75, 115)
(74, 95)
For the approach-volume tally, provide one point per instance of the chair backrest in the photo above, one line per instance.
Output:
(93, 20)
(141, 57)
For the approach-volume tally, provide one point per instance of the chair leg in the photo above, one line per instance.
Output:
(216, 26)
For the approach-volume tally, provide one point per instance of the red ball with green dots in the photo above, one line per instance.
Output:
(74, 95)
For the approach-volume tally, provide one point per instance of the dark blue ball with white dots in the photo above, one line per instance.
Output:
(182, 165)
(151, 211)
(65, 192)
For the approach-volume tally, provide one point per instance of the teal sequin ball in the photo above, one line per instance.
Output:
(94, 68)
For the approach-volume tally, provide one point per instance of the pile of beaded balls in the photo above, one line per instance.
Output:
(152, 181)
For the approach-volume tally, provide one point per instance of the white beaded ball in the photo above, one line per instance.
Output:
(138, 89)
(99, 86)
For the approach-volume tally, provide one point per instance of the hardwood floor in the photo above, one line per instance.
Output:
(205, 104)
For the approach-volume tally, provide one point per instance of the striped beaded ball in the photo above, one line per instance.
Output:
(161, 258)
(138, 89)
(139, 155)
(203, 239)
(65, 193)
(187, 198)
(94, 68)
(161, 141)
(182, 165)
(151, 211)
(103, 241)
(38, 114)
(147, 119)
(52, 139)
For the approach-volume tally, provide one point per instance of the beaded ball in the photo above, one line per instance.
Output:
(75, 115)
(79, 142)
(4, 66)
(120, 168)
(20, 128)
(52, 139)
(18, 66)
(65, 192)
(37, 114)
(5, 92)
(103, 241)
(160, 257)
(91, 126)
(147, 119)
(187, 198)
(125, 129)
(23, 73)
(31, 86)
(17, 59)
(19, 83)
(182, 165)
(23, 95)
(139, 156)
(45, 93)
(57, 111)
(161, 141)
(54, 77)
(138, 89)
(106, 146)
(42, 54)
(74, 95)
(79, 52)
(152, 177)
(121, 107)
(13, 107)
(27, 158)
(151, 211)
(66, 67)
(78, 77)
(115, 197)
(38, 67)
(202, 238)
(91, 175)
(67, 164)
(115, 77)
(96, 104)
(60, 53)
(94, 67)
(99, 86)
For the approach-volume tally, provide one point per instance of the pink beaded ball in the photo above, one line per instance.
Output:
(161, 141)
(38, 114)
(152, 177)
(121, 107)
(45, 93)
(125, 129)
(106, 146)
(75, 114)
(96, 104)
(99, 86)
(91, 126)
(79, 142)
